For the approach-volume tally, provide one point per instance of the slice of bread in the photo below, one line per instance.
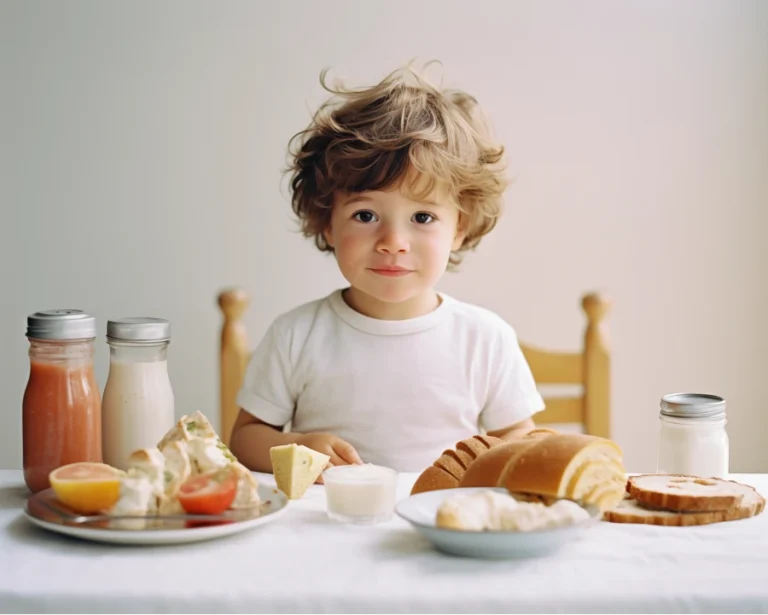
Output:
(683, 493)
(631, 511)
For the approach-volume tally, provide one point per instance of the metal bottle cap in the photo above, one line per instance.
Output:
(139, 329)
(693, 406)
(61, 325)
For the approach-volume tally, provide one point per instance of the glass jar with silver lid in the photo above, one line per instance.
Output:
(61, 407)
(692, 436)
(138, 401)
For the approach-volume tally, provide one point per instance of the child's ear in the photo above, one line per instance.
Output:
(461, 235)
(328, 236)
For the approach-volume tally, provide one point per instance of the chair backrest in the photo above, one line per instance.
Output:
(589, 368)
(233, 357)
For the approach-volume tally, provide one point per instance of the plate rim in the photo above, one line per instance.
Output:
(178, 535)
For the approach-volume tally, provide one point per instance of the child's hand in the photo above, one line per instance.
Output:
(342, 453)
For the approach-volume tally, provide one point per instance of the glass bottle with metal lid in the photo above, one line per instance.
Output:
(138, 403)
(692, 436)
(61, 408)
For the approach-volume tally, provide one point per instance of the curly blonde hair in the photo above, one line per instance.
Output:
(401, 131)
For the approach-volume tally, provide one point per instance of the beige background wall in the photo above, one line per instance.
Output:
(141, 145)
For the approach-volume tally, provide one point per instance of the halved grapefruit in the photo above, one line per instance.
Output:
(87, 487)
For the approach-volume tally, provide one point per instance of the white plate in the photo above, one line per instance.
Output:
(45, 511)
(420, 510)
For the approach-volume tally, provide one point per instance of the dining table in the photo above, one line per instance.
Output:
(305, 562)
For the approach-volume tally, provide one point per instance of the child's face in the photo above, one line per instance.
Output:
(393, 248)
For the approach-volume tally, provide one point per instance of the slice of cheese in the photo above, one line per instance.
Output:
(296, 467)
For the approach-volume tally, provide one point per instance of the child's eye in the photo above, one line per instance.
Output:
(364, 216)
(423, 217)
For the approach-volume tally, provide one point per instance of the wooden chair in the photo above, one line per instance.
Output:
(589, 368)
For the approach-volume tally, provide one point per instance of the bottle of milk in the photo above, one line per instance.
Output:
(137, 405)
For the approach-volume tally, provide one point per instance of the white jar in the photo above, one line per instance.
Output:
(138, 404)
(692, 436)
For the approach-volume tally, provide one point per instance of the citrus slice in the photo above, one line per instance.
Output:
(87, 487)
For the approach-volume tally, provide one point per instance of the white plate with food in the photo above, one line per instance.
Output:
(46, 511)
(187, 489)
(489, 523)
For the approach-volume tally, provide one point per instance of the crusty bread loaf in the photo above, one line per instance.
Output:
(490, 472)
(579, 467)
(476, 445)
(541, 430)
(550, 466)
(631, 511)
(449, 464)
(683, 493)
(446, 471)
(462, 457)
(434, 479)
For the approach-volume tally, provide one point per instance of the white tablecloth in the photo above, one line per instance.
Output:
(304, 562)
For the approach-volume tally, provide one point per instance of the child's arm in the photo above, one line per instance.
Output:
(512, 391)
(514, 431)
(251, 440)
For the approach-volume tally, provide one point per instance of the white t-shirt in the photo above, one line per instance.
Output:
(399, 391)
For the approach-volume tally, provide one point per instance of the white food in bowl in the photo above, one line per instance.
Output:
(493, 511)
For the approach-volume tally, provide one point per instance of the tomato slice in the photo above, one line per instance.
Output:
(209, 494)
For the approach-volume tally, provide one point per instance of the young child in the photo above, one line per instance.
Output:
(397, 181)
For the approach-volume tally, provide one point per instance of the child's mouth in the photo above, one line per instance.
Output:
(392, 273)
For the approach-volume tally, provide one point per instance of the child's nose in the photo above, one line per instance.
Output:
(392, 239)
